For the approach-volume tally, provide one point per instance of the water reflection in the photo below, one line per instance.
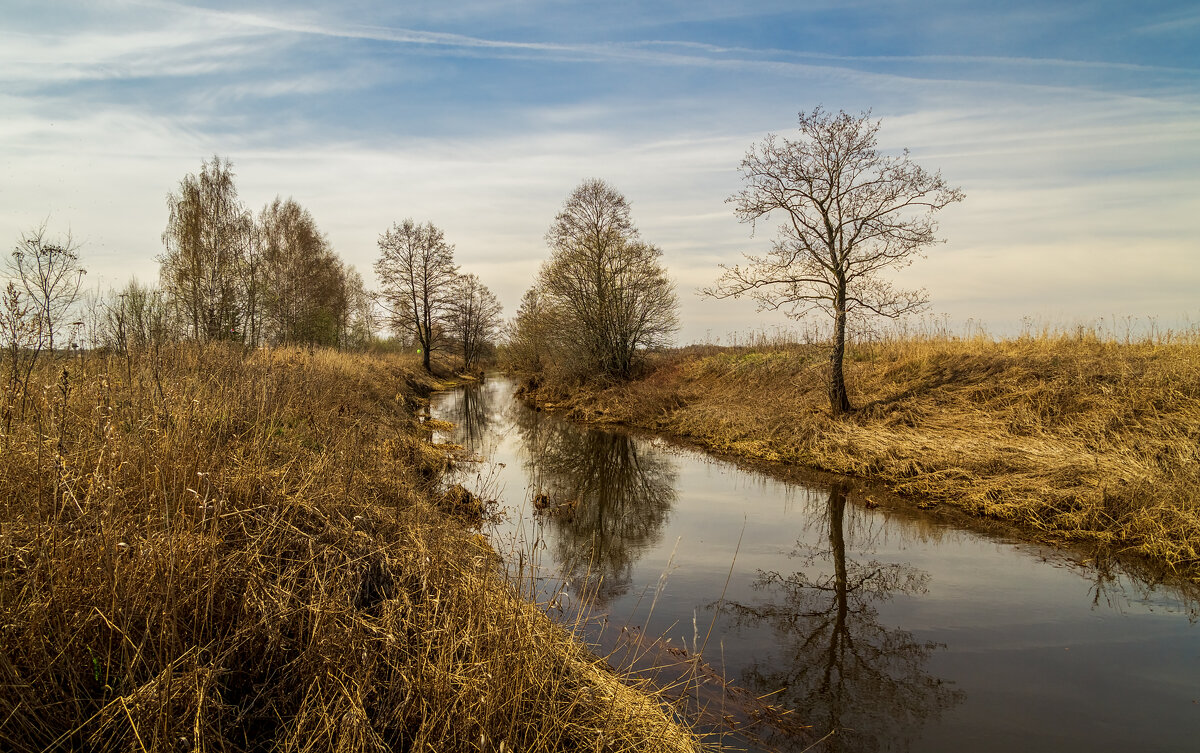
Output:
(859, 682)
(1073, 653)
(613, 495)
(1118, 585)
(470, 409)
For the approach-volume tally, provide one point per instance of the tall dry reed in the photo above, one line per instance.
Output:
(209, 550)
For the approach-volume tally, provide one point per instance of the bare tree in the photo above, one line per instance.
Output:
(610, 294)
(527, 335)
(416, 271)
(304, 295)
(136, 318)
(474, 318)
(849, 213)
(50, 274)
(358, 321)
(204, 266)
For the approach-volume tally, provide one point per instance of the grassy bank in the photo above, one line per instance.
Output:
(1072, 437)
(221, 552)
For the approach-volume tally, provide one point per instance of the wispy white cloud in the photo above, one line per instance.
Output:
(171, 51)
(1062, 172)
(1183, 22)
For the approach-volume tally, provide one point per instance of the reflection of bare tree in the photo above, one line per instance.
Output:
(1117, 583)
(614, 495)
(469, 409)
(857, 681)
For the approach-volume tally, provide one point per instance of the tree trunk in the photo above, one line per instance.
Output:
(424, 337)
(839, 401)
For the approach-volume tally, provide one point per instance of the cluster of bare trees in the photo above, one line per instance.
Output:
(849, 213)
(426, 298)
(602, 300)
(270, 279)
(227, 274)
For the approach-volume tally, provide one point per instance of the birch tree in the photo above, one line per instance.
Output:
(203, 267)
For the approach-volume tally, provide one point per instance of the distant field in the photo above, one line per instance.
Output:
(1072, 436)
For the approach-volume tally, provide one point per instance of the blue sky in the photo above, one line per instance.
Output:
(1073, 128)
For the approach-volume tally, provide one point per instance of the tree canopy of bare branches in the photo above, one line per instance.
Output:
(207, 239)
(49, 273)
(305, 289)
(416, 272)
(849, 213)
(527, 335)
(605, 288)
(473, 318)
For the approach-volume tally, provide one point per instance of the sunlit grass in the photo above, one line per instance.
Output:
(1077, 434)
(210, 550)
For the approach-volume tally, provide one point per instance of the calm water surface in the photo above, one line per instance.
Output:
(893, 629)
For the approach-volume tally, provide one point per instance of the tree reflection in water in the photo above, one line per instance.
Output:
(615, 496)
(859, 682)
(471, 414)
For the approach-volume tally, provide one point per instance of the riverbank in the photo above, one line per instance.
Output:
(1072, 438)
(211, 550)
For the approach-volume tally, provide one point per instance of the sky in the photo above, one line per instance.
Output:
(1073, 128)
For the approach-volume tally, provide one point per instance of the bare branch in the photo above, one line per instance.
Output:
(417, 273)
(849, 214)
(604, 287)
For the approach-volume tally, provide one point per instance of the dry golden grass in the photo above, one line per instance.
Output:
(1071, 436)
(245, 553)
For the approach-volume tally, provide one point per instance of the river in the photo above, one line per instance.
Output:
(881, 627)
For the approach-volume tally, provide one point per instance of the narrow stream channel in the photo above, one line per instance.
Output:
(883, 627)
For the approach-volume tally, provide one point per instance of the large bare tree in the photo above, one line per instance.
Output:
(849, 213)
(607, 289)
(416, 272)
(304, 286)
(207, 238)
(474, 318)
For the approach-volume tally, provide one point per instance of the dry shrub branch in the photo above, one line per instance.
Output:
(226, 552)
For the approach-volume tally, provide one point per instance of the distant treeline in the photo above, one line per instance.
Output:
(228, 274)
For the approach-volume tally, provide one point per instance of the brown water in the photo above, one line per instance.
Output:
(883, 627)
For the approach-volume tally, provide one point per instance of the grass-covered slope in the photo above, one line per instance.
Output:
(1071, 437)
(226, 552)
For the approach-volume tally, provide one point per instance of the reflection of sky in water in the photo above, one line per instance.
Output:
(1001, 647)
